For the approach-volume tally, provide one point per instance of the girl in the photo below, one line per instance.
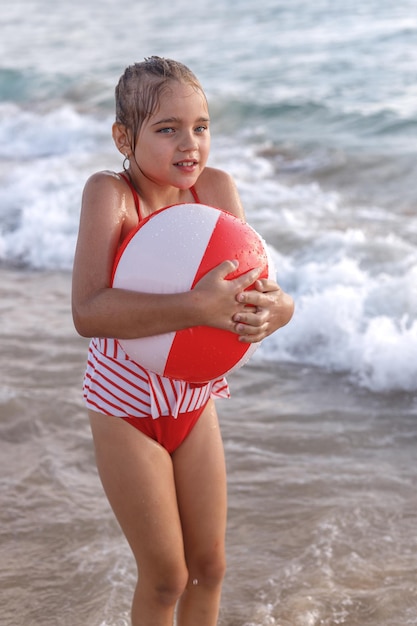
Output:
(164, 477)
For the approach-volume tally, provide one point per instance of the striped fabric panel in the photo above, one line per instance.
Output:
(116, 385)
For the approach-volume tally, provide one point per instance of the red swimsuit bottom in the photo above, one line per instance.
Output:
(168, 431)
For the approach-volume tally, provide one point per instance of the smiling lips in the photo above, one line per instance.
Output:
(186, 164)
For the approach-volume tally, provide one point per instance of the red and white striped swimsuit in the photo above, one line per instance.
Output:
(118, 386)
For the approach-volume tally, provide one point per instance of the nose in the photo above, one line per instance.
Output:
(188, 141)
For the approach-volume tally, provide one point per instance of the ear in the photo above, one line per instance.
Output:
(121, 138)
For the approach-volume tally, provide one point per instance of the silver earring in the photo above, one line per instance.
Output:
(126, 160)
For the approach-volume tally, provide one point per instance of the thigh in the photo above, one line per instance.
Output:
(137, 476)
(200, 476)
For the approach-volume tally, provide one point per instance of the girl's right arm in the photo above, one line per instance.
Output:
(99, 310)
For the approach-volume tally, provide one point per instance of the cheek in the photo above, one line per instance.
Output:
(205, 146)
(150, 152)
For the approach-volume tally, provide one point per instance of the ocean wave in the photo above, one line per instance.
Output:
(349, 319)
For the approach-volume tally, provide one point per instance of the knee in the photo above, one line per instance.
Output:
(167, 588)
(208, 570)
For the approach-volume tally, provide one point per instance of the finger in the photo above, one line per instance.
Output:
(254, 318)
(227, 267)
(251, 334)
(254, 298)
(266, 284)
(247, 279)
(251, 338)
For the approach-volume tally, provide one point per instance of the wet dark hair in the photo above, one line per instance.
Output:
(141, 86)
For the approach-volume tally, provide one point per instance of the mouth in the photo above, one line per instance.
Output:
(186, 163)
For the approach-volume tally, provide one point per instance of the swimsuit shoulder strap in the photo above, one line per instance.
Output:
(195, 195)
(136, 197)
(134, 193)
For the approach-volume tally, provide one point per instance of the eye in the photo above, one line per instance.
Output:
(200, 129)
(166, 131)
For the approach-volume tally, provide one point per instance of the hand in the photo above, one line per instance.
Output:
(218, 297)
(267, 308)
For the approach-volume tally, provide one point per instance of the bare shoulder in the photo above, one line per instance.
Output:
(104, 221)
(217, 188)
(107, 196)
(103, 183)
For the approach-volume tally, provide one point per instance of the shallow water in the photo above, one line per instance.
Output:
(322, 500)
(330, 507)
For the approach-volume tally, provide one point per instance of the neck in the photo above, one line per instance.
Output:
(154, 197)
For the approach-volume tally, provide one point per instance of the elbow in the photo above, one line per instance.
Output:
(81, 323)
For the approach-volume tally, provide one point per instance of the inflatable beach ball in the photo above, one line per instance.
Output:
(170, 252)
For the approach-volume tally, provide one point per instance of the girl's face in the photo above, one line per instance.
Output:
(173, 144)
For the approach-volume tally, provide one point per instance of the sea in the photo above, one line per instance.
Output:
(313, 110)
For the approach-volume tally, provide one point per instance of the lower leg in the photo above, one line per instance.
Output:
(155, 605)
(200, 474)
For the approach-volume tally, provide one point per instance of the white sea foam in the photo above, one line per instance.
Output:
(347, 320)
(54, 152)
